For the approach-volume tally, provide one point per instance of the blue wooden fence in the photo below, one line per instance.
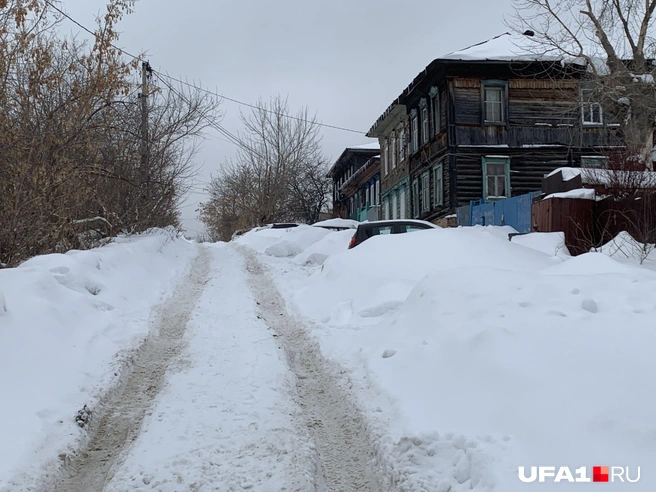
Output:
(514, 212)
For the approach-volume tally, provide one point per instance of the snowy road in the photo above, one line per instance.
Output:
(228, 393)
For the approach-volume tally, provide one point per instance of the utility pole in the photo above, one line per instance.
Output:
(146, 72)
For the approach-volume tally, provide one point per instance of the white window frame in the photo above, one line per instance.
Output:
(395, 205)
(436, 109)
(438, 185)
(402, 202)
(496, 160)
(415, 198)
(393, 151)
(401, 145)
(425, 192)
(425, 126)
(414, 128)
(587, 106)
(386, 158)
(377, 192)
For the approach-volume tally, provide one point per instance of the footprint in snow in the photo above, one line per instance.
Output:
(388, 353)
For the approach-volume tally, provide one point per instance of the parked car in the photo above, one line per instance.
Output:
(283, 225)
(337, 224)
(380, 227)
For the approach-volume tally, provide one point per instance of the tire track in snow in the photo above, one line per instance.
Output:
(345, 455)
(119, 422)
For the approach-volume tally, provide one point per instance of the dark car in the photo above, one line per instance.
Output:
(381, 227)
(283, 225)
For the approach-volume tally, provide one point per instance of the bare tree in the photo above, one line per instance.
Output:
(625, 205)
(277, 175)
(614, 40)
(70, 136)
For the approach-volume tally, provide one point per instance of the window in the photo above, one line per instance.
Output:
(402, 199)
(414, 128)
(594, 162)
(591, 112)
(424, 125)
(394, 205)
(401, 144)
(415, 197)
(387, 208)
(425, 192)
(377, 193)
(414, 228)
(393, 151)
(378, 231)
(494, 104)
(438, 185)
(386, 158)
(435, 107)
(496, 177)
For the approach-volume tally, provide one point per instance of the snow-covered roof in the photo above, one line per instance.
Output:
(607, 177)
(581, 193)
(368, 146)
(364, 148)
(505, 47)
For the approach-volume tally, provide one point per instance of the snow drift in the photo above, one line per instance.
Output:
(63, 320)
(473, 355)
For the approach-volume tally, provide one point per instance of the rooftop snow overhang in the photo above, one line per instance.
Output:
(370, 149)
(461, 58)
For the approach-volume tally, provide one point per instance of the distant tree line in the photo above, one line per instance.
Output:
(72, 169)
(278, 174)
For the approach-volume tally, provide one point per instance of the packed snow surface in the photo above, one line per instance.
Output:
(492, 354)
(226, 419)
(64, 321)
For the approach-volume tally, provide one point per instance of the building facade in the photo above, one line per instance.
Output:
(356, 183)
(476, 125)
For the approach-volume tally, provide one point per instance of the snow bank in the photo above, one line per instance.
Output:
(490, 354)
(329, 245)
(63, 320)
(520, 357)
(378, 275)
(624, 246)
(283, 242)
(549, 243)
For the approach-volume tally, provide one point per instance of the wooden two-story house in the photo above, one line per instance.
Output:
(487, 122)
(356, 183)
(392, 131)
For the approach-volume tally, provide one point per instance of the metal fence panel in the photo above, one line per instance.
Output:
(514, 212)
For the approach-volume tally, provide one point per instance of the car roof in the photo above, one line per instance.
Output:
(398, 221)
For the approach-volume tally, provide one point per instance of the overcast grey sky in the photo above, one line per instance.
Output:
(345, 59)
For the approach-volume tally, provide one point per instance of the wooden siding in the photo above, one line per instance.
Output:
(435, 212)
(527, 168)
(539, 112)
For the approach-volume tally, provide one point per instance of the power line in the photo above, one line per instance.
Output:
(256, 107)
(232, 138)
(325, 125)
(87, 29)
